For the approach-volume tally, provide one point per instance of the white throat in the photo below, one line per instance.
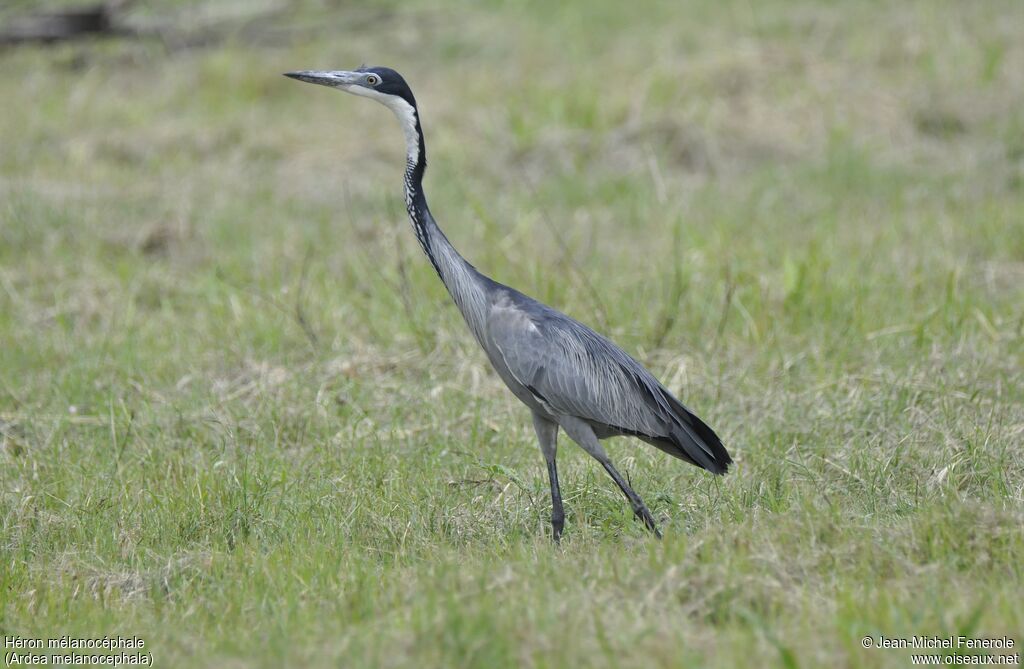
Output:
(458, 276)
(404, 112)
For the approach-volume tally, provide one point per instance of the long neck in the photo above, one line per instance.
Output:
(466, 285)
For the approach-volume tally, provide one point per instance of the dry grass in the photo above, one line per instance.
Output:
(240, 418)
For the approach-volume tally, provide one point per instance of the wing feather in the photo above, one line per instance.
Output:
(575, 371)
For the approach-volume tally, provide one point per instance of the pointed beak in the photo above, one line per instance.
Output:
(334, 79)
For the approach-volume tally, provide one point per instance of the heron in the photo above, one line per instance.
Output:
(568, 375)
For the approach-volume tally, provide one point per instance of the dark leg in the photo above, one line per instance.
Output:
(639, 508)
(547, 435)
(557, 512)
(583, 434)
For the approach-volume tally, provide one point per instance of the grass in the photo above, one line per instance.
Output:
(240, 419)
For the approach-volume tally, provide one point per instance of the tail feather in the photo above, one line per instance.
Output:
(693, 440)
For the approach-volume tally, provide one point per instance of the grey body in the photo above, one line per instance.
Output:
(561, 369)
(568, 375)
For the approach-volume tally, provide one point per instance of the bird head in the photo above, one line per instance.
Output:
(377, 83)
(386, 87)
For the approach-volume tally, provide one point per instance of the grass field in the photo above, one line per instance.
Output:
(241, 419)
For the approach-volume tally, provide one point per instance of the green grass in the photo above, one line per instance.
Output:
(240, 418)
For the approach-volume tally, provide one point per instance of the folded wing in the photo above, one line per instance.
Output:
(574, 371)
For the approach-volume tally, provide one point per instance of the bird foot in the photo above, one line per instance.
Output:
(556, 529)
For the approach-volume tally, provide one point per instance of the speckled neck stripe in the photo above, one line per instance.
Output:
(415, 166)
(458, 276)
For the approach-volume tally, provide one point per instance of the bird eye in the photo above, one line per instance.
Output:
(372, 79)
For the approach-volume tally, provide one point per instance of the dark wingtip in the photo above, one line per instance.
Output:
(721, 460)
(717, 462)
(705, 448)
(722, 465)
(700, 443)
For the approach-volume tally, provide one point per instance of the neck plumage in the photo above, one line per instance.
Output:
(466, 285)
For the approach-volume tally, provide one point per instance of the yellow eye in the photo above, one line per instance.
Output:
(372, 79)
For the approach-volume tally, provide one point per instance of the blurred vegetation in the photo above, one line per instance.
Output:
(240, 418)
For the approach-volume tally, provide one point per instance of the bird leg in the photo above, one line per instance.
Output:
(583, 434)
(557, 512)
(639, 508)
(547, 435)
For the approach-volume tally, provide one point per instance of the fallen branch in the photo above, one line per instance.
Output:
(66, 24)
